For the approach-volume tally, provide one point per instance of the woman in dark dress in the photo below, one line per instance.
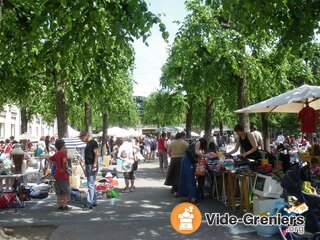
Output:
(187, 181)
(247, 143)
(176, 150)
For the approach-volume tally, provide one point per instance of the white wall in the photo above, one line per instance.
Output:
(10, 124)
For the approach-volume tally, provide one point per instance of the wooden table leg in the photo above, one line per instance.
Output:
(231, 194)
(244, 194)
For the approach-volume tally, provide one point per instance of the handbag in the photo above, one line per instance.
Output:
(139, 157)
(135, 166)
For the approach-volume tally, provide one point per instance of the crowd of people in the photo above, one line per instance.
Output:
(181, 161)
(179, 158)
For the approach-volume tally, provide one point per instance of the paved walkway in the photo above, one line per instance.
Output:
(144, 214)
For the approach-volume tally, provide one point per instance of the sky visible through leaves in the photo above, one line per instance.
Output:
(149, 60)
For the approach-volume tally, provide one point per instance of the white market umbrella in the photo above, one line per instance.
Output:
(289, 102)
(72, 132)
(28, 136)
(116, 132)
(194, 134)
(169, 129)
(134, 133)
(74, 143)
(96, 135)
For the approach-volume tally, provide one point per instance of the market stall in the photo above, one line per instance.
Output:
(289, 175)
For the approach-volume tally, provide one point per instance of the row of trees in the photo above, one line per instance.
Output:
(72, 59)
(229, 54)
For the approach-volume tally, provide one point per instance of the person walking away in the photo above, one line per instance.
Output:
(47, 151)
(111, 145)
(257, 136)
(47, 144)
(247, 143)
(176, 150)
(163, 153)
(167, 143)
(153, 146)
(91, 155)
(126, 154)
(40, 153)
(62, 184)
(147, 147)
(187, 180)
(141, 147)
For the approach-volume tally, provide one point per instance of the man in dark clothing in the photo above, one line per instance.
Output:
(111, 144)
(91, 155)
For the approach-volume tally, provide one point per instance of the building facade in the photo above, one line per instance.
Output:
(10, 124)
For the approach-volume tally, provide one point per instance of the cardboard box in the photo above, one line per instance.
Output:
(75, 182)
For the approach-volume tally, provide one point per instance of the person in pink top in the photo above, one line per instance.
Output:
(8, 147)
(163, 153)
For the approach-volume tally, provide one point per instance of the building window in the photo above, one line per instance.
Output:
(13, 129)
(30, 129)
(37, 131)
(2, 130)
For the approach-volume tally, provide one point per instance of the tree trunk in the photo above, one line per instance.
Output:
(105, 120)
(208, 119)
(1, 4)
(243, 101)
(221, 128)
(189, 118)
(60, 106)
(24, 120)
(88, 118)
(265, 131)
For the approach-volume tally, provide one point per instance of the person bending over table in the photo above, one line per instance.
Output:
(247, 143)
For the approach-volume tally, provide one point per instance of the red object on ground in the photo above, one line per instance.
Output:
(308, 118)
(7, 200)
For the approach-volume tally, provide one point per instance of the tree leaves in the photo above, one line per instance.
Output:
(88, 42)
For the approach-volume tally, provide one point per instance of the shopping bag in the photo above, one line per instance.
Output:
(114, 193)
(139, 157)
(7, 200)
(135, 166)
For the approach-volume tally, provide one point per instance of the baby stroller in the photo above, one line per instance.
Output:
(292, 185)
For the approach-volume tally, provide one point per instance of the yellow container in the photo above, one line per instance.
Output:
(264, 162)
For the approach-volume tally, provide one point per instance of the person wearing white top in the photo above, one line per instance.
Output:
(280, 139)
(126, 154)
(257, 136)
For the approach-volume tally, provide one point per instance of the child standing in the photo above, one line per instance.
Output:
(62, 184)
